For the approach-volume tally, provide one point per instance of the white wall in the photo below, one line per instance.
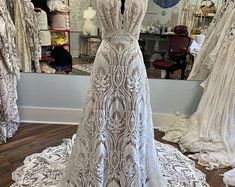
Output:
(153, 8)
(74, 44)
(154, 13)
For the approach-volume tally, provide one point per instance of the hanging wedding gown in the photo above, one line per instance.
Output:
(114, 144)
(9, 71)
(210, 131)
(27, 35)
(203, 63)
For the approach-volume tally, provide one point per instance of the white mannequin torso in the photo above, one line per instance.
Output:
(89, 27)
(90, 13)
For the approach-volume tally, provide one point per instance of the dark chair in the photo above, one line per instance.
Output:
(181, 30)
(177, 53)
(142, 48)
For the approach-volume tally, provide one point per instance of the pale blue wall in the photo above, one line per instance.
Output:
(65, 91)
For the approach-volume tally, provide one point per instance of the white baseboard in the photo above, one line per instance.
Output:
(69, 116)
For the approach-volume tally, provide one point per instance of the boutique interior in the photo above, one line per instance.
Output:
(53, 51)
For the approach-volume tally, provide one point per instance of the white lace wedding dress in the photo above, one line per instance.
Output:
(114, 144)
(204, 61)
(9, 73)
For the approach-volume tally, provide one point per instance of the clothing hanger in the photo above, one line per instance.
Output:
(37, 9)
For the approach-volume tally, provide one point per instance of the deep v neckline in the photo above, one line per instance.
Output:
(123, 6)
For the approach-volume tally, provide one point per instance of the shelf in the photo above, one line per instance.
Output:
(203, 16)
(47, 59)
(55, 45)
(57, 30)
(52, 45)
(90, 36)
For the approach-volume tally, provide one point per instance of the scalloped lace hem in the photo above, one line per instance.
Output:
(46, 168)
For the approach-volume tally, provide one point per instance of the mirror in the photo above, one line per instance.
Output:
(77, 33)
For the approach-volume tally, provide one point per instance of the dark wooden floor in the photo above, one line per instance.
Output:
(32, 138)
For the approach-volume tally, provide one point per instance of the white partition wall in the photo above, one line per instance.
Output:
(58, 99)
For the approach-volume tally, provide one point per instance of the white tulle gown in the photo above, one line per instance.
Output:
(210, 131)
(114, 144)
(204, 61)
(9, 73)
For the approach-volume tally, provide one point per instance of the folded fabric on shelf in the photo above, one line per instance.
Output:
(45, 38)
(57, 5)
(42, 19)
(60, 20)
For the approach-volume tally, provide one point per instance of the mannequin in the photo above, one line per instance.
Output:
(89, 27)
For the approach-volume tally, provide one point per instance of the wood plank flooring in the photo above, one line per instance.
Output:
(33, 138)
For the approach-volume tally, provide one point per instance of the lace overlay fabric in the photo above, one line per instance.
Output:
(33, 35)
(27, 35)
(209, 132)
(9, 72)
(114, 22)
(204, 61)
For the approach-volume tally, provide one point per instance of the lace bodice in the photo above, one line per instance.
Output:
(114, 23)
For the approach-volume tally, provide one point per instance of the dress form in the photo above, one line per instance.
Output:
(89, 27)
